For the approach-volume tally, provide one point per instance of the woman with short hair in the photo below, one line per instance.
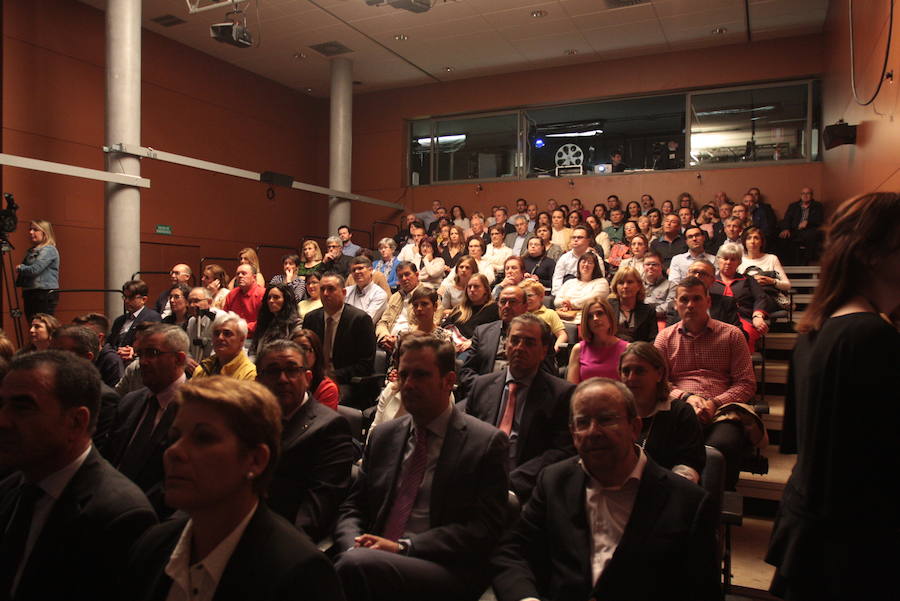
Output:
(431, 267)
(545, 233)
(635, 319)
(290, 264)
(752, 302)
(536, 263)
(387, 264)
(574, 293)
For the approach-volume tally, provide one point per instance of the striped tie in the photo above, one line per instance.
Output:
(409, 488)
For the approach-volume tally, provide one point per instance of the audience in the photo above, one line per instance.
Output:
(765, 268)
(180, 274)
(199, 326)
(107, 361)
(476, 309)
(323, 388)
(214, 279)
(348, 247)
(671, 243)
(40, 332)
(752, 303)
(311, 263)
(658, 291)
(534, 303)
(395, 318)
(696, 241)
(387, 264)
(291, 277)
(178, 314)
(497, 253)
(453, 293)
(312, 300)
(277, 317)
(800, 233)
(335, 260)
(431, 266)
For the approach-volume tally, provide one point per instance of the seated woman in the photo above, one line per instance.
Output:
(225, 443)
(670, 431)
(387, 264)
(477, 308)
(312, 259)
(639, 247)
(752, 302)
(620, 251)
(277, 317)
(597, 355)
(655, 216)
(534, 303)
(601, 239)
(213, 279)
(452, 295)
(312, 300)
(536, 262)
(458, 214)
(322, 388)
(476, 249)
(497, 252)
(40, 332)
(455, 248)
(765, 268)
(544, 232)
(431, 266)
(636, 320)
(178, 302)
(589, 284)
(291, 277)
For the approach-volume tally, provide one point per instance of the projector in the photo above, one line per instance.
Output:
(231, 33)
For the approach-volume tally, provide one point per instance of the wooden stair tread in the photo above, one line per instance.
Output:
(770, 485)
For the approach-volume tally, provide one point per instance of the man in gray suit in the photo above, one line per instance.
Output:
(518, 241)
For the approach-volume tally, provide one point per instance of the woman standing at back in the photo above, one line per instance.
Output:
(836, 532)
(38, 275)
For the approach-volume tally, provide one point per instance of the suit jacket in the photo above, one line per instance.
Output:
(794, 215)
(723, 308)
(543, 433)
(109, 404)
(468, 493)
(748, 296)
(150, 477)
(389, 317)
(313, 472)
(764, 218)
(340, 265)
(86, 537)
(271, 562)
(510, 241)
(667, 551)
(483, 354)
(353, 352)
(645, 326)
(115, 339)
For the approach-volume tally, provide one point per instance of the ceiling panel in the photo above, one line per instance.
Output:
(646, 33)
(611, 17)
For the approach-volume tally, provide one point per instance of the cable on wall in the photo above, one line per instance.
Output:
(887, 51)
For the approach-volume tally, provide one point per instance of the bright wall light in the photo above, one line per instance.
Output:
(443, 140)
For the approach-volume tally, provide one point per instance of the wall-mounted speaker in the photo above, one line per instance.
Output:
(838, 134)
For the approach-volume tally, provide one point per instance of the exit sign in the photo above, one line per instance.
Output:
(165, 230)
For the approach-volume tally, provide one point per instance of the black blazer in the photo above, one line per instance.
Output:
(353, 353)
(542, 267)
(109, 404)
(667, 551)
(313, 473)
(794, 215)
(150, 477)
(340, 265)
(86, 538)
(544, 436)
(483, 354)
(271, 562)
(748, 296)
(115, 339)
(468, 493)
(646, 328)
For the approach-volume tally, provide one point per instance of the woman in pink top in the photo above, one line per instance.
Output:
(597, 355)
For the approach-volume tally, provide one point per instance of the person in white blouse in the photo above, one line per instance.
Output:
(639, 247)
(589, 284)
(431, 267)
(769, 270)
(476, 249)
(497, 252)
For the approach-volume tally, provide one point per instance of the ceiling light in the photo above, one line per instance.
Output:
(401, 37)
(537, 14)
(720, 31)
(571, 52)
(299, 55)
(309, 90)
(448, 69)
(576, 134)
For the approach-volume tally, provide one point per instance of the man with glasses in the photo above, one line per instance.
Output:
(121, 335)
(229, 332)
(567, 265)
(658, 290)
(696, 241)
(410, 252)
(140, 430)
(313, 473)
(199, 326)
(335, 259)
(610, 523)
(180, 274)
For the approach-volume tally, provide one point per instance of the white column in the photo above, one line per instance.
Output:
(341, 141)
(123, 124)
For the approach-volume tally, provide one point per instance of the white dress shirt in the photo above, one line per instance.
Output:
(372, 299)
(678, 268)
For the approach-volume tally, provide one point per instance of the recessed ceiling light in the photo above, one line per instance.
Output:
(448, 69)
(299, 55)
(571, 52)
(720, 31)
(400, 37)
(309, 90)
(538, 13)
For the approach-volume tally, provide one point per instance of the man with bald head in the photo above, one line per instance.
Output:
(610, 523)
(800, 228)
(180, 274)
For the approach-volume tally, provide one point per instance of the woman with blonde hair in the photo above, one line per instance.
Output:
(534, 303)
(597, 355)
(635, 319)
(310, 259)
(38, 274)
(248, 256)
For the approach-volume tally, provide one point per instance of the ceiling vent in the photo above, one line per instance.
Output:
(623, 3)
(414, 6)
(168, 20)
(331, 48)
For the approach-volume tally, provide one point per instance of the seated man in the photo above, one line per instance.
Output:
(610, 524)
(140, 431)
(247, 296)
(671, 243)
(335, 259)
(658, 290)
(800, 229)
(395, 318)
(107, 361)
(722, 308)
(69, 517)
(731, 231)
(518, 241)
(526, 403)
(366, 294)
(348, 341)
(349, 247)
(121, 335)
(430, 500)
(410, 252)
(710, 368)
(229, 332)
(199, 325)
(83, 342)
(313, 472)
(180, 274)
(488, 351)
(696, 239)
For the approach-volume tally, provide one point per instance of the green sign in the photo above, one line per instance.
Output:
(165, 230)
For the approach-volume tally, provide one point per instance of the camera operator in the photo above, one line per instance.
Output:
(38, 275)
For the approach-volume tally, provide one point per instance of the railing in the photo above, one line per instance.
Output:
(376, 223)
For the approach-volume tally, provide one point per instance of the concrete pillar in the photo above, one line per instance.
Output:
(123, 124)
(341, 147)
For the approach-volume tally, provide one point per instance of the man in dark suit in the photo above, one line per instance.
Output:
(610, 523)
(526, 403)
(140, 430)
(180, 274)
(106, 360)
(313, 472)
(488, 350)
(121, 335)
(348, 340)
(79, 515)
(800, 229)
(761, 214)
(83, 342)
(430, 500)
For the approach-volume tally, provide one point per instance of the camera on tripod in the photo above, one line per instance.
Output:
(9, 221)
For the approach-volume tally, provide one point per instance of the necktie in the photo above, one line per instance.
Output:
(329, 341)
(12, 547)
(133, 458)
(409, 488)
(506, 422)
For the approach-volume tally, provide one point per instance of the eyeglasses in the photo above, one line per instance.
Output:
(508, 301)
(151, 353)
(582, 423)
(274, 372)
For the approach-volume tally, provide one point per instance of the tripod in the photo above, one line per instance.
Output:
(8, 282)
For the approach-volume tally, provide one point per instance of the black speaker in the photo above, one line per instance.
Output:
(838, 135)
(276, 179)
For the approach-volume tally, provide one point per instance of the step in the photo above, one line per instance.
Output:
(770, 485)
(780, 341)
(802, 299)
(775, 417)
(813, 270)
(776, 372)
(805, 282)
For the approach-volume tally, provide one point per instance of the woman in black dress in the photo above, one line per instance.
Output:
(837, 532)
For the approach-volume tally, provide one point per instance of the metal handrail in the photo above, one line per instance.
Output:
(136, 273)
(376, 222)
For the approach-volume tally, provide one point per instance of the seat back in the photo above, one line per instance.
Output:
(355, 417)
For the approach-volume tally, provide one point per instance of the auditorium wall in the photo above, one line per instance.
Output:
(192, 104)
